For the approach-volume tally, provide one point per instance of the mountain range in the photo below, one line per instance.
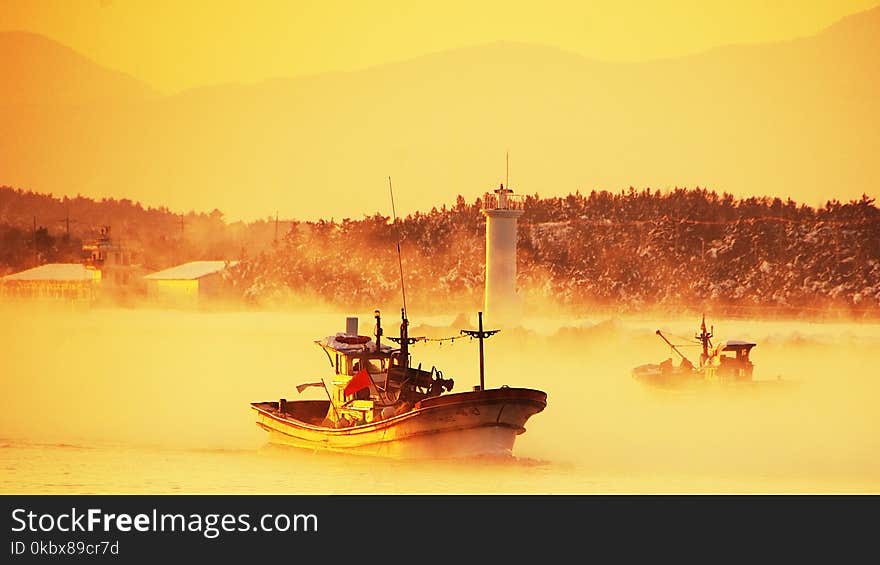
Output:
(795, 119)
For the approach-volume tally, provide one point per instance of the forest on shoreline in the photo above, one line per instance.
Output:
(685, 249)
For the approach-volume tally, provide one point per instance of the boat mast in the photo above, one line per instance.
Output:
(481, 335)
(378, 317)
(482, 367)
(705, 339)
(405, 341)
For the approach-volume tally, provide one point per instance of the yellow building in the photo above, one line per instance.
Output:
(65, 281)
(188, 283)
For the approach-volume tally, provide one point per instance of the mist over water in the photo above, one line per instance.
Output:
(148, 400)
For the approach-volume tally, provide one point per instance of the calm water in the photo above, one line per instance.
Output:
(129, 401)
(113, 469)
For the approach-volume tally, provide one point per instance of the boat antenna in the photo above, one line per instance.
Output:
(507, 171)
(399, 258)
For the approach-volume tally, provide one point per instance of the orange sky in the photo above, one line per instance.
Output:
(176, 45)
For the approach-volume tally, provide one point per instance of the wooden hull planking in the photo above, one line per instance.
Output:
(450, 426)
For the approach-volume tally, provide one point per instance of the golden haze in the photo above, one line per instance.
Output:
(306, 108)
(788, 117)
(149, 400)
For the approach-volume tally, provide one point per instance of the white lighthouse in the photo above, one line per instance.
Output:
(501, 208)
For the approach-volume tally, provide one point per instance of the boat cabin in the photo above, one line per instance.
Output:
(348, 354)
(737, 366)
(372, 380)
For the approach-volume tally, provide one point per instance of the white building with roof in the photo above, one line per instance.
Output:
(187, 283)
(72, 281)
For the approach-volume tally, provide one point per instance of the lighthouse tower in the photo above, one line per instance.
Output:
(501, 208)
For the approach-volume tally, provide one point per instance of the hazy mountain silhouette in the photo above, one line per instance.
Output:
(796, 118)
(37, 70)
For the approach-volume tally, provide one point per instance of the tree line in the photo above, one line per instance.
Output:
(630, 250)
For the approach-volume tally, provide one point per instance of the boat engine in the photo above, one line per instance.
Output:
(440, 385)
(419, 383)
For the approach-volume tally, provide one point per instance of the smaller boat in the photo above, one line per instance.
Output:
(726, 363)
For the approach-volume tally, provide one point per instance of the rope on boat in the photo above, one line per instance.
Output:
(689, 342)
(439, 340)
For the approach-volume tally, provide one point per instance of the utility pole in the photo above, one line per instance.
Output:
(36, 254)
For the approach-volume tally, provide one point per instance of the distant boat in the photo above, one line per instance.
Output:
(726, 363)
(380, 405)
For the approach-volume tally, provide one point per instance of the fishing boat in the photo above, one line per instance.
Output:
(725, 363)
(379, 404)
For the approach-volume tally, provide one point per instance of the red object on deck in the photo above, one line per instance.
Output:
(359, 382)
